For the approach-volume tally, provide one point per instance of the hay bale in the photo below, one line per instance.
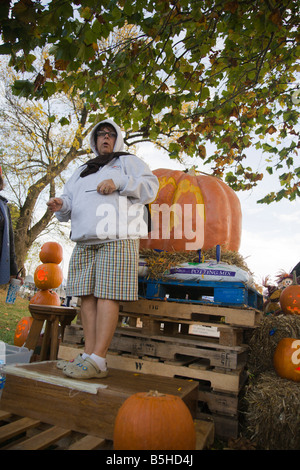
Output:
(265, 337)
(160, 262)
(273, 412)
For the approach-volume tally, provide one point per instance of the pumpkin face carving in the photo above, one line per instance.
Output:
(220, 219)
(22, 330)
(286, 359)
(48, 276)
(154, 421)
(290, 300)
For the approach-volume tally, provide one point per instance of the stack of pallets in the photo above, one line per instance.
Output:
(171, 332)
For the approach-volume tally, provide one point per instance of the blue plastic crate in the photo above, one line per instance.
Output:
(203, 292)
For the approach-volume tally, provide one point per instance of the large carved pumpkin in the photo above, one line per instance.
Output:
(22, 330)
(51, 252)
(220, 220)
(286, 359)
(290, 300)
(45, 297)
(48, 276)
(154, 421)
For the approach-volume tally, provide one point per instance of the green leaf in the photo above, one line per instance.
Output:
(23, 88)
(64, 121)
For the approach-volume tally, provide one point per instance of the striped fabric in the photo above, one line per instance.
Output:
(107, 270)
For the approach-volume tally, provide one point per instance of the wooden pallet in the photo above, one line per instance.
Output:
(203, 292)
(219, 379)
(192, 313)
(162, 347)
(155, 317)
(171, 348)
(198, 342)
(23, 433)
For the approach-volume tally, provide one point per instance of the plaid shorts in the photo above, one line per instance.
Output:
(108, 270)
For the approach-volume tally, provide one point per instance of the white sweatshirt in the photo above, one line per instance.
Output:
(97, 218)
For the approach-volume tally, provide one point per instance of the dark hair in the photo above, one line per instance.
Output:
(1, 183)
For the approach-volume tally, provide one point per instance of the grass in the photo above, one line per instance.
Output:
(10, 315)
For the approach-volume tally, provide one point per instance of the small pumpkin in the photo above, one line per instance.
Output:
(51, 252)
(48, 276)
(286, 359)
(219, 223)
(22, 331)
(154, 421)
(45, 297)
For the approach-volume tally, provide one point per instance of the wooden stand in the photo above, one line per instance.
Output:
(54, 318)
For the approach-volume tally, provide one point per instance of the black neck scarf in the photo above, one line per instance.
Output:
(94, 164)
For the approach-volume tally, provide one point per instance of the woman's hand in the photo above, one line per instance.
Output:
(55, 204)
(106, 187)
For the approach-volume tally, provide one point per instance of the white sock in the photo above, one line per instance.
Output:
(85, 355)
(100, 361)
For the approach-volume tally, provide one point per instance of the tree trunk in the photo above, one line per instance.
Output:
(24, 233)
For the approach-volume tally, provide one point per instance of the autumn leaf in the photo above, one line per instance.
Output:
(271, 129)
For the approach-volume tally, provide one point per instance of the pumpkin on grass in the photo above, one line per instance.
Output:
(45, 297)
(51, 252)
(48, 276)
(219, 217)
(22, 331)
(154, 421)
(286, 359)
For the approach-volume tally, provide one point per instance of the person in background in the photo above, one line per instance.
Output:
(104, 199)
(8, 264)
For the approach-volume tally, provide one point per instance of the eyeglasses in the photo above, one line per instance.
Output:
(104, 133)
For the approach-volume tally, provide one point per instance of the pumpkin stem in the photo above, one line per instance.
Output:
(155, 393)
(294, 277)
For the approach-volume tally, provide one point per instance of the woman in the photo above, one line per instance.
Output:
(8, 264)
(105, 200)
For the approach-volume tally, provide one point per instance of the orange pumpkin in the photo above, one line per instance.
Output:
(45, 297)
(290, 300)
(221, 212)
(154, 421)
(48, 276)
(22, 330)
(286, 359)
(51, 252)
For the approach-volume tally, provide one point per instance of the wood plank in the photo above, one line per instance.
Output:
(4, 415)
(247, 317)
(87, 443)
(205, 433)
(27, 371)
(52, 309)
(43, 439)
(16, 427)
